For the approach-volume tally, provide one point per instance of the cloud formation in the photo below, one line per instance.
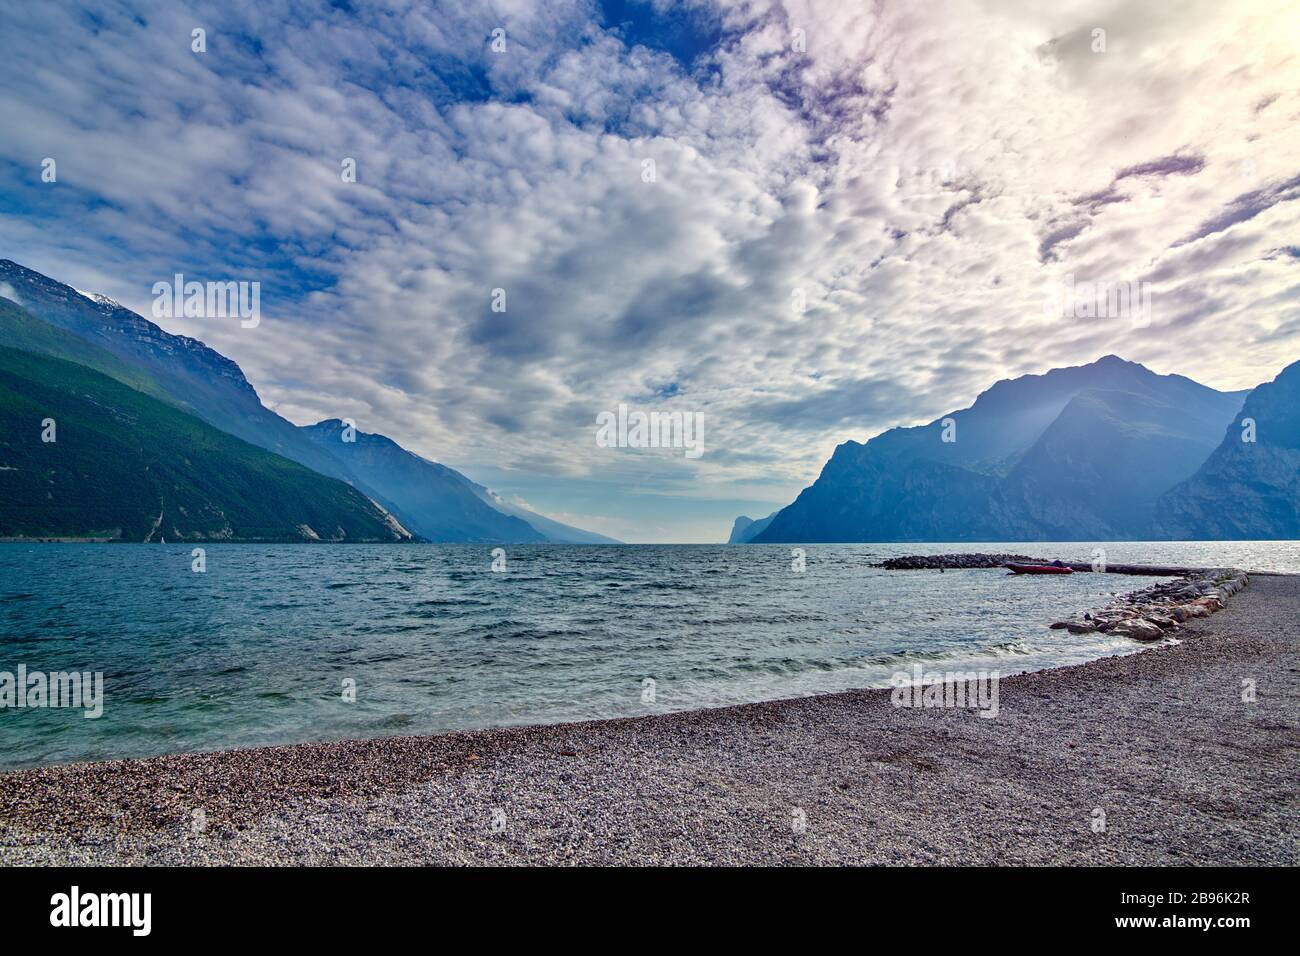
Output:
(808, 220)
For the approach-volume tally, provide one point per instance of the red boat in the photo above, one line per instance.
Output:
(1057, 568)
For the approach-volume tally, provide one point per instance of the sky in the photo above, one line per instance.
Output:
(806, 222)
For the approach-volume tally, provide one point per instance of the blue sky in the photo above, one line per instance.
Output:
(919, 176)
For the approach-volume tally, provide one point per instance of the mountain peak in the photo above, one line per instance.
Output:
(332, 427)
(1113, 359)
(746, 528)
(100, 299)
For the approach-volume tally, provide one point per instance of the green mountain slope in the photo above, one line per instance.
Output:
(19, 329)
(125, 466)
(184, 371)
(200, 378)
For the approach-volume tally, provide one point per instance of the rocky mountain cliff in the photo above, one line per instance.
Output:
(1097, 470)
(1075, 453)
(746, 528)
(1249, 488)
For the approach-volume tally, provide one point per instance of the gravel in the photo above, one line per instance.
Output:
(1161, 742)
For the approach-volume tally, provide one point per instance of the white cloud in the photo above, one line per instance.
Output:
(906, 173)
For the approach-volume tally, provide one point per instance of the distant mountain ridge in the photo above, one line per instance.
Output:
(556, 531)
(1076, 453)
(746, 528)
(435, 501)
(202, 381)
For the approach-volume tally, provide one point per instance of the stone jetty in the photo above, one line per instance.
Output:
(1146, 615)
(1153, 613)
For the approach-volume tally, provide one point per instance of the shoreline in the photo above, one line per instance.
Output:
(1159, 741)
(929, 666)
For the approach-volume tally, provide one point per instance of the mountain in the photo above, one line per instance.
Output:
(199, 378)
(432, 500)
(746, 528)
(126, 466)
(1075, 453)
(1245, 490)
(437, 502)
(555, 531)
(1098, 469)
(19, 329)
(98, 332)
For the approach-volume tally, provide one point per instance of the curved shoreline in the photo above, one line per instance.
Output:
(1161, 742)
(935, 660)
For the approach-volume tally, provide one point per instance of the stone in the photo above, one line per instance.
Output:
(1140, 630)
(1148, 614)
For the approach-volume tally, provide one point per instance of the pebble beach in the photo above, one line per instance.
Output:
(1185, 753)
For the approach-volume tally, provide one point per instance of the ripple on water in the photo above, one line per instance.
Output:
(259, 648)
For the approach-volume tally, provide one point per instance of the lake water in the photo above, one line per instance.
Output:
(257, 649)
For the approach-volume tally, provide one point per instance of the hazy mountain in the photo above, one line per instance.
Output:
(125, 466)
(432, 500)
(98, 332)
(1097, 470)
(1245, 490)
(555, 531)
(1076, 453)
(745, 528)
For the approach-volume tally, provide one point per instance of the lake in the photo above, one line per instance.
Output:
(267, 645)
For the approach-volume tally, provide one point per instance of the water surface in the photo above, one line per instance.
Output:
(256, 649)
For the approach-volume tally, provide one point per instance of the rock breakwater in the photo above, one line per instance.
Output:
(975, 559)
(1155, 612)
